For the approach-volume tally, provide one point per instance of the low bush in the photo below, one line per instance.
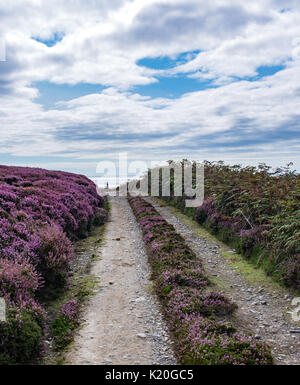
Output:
(195, 302)
(54, 253)
(22, 335)
(256, 211)
(41, 212)
(62, 328)
(204, 342)
(18, 279)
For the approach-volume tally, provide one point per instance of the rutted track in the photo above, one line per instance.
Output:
(122, 324)
(262, 311)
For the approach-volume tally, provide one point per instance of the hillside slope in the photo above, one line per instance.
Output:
(41, 213)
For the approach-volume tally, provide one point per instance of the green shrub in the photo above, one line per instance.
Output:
(22, 336)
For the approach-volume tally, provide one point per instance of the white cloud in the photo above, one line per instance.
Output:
(111, 120)
(104, 39)
(102, 42)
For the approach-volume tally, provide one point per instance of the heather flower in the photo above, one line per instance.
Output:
(40, 213)
(192, 312)
(63, 326)
(18, 279)
(55, 250)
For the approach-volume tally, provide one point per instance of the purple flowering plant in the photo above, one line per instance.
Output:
(196, 314)
(41, 213)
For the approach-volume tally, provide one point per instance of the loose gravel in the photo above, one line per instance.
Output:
(122, 324)
(262, 310)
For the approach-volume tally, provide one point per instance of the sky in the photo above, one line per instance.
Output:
(84, 80)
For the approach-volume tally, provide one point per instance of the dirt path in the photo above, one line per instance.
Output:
(263, 308)
(122, 324)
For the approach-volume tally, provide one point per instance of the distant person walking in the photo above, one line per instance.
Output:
(106, 185)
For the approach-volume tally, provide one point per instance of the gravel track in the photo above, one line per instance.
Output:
(122, 324)
(262, 311)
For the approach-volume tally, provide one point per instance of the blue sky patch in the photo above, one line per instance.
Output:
(51, 93)
(56, 38)
(264, 71)
(173, 87)
(285, 10)
(166, 62)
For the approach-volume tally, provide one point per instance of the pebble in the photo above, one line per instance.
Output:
(264, 310)
(140, 299)
(258, 337)
(141, 335)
